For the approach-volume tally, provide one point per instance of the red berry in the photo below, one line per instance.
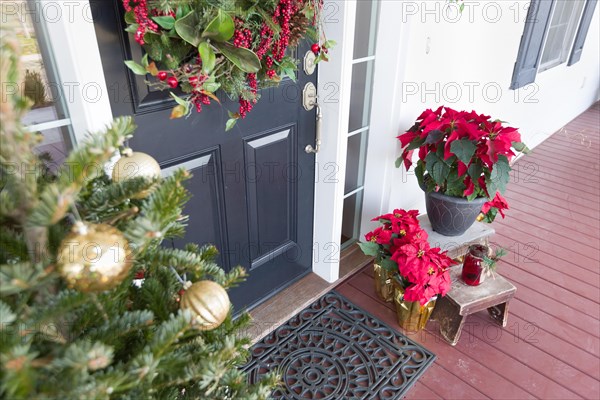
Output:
(162, 75)
(173, 82)
(315, 48)
(193, 80)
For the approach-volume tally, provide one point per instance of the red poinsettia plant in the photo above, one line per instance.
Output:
(462, 154)
(400, 245)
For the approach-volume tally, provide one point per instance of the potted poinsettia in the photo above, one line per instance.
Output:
(463, 165)
(397, 228)
(406, 269)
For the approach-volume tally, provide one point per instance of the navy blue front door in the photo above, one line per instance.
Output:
(253, 186)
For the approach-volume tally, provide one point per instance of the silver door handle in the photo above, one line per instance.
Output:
(309, 149)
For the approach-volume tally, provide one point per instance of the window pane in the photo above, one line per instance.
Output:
(355, 161)
(563, 26)
(53, 147)
(360, 97)
(40, 82)
(351, 219)
(366, 24)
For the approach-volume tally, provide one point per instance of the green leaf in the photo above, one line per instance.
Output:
(464, 150)
(132, 28)
(388, 264)
(369, 248)
(221, 28)
(416, 143)
(135, 67)
(475, 170)
(230, 124)
(521, 147)
(499, 176)
(329, 44)
(290, 72)
(187, 28)
(437, 168)
(420, 173)
(434, 136)
(208, 57)
(399, 162)
(179, 100)
(130, 17)
(244, 59)
(211, 86)
(166, 22)
(145, 60)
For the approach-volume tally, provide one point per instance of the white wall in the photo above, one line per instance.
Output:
(465, 61)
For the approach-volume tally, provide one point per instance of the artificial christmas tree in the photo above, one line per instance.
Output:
(90, 289)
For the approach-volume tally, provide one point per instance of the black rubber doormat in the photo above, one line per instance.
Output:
(335, 350)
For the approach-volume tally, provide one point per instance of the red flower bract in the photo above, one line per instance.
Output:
(401, 241)
(461, 154)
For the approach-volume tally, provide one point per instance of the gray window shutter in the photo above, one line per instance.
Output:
(530, 50)
(584, 26)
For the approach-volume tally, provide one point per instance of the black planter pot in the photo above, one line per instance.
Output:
(452, 216)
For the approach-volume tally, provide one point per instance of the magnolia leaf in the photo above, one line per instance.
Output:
(230, 124)
(145, 60)
(187, 29)
(221, 28)
(242, 58)
(290, 73)
(135, 67)
(178, 112)
(329, 44)
(130, 17)
(132, 28)
(211, 95)
(463, 149)
(179, 100)
(211, 86)
(369, 248)
(208, 57)
(152, 69)
(166, 22)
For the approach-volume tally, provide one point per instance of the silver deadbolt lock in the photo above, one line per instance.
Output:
(309, 96)
(309, 63)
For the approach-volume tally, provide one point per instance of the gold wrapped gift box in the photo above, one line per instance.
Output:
(412, 316)
(384, 285)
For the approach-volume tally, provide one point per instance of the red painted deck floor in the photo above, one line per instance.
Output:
(550, 348)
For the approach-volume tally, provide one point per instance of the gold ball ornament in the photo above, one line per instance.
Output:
(209, 303)
(136, 164)
(94, 257)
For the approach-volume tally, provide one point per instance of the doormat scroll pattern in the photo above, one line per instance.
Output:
(335, 350)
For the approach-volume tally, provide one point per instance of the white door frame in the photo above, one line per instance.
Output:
(71, 31)
(383, 148)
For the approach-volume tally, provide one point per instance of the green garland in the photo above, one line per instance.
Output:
(238, 46)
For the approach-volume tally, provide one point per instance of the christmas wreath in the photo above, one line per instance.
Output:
(238, 46)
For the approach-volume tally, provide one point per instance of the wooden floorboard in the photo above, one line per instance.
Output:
(550, 348)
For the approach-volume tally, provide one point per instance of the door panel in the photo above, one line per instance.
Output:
(252, 190)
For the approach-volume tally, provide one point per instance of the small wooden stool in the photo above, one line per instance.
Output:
(462, 300)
